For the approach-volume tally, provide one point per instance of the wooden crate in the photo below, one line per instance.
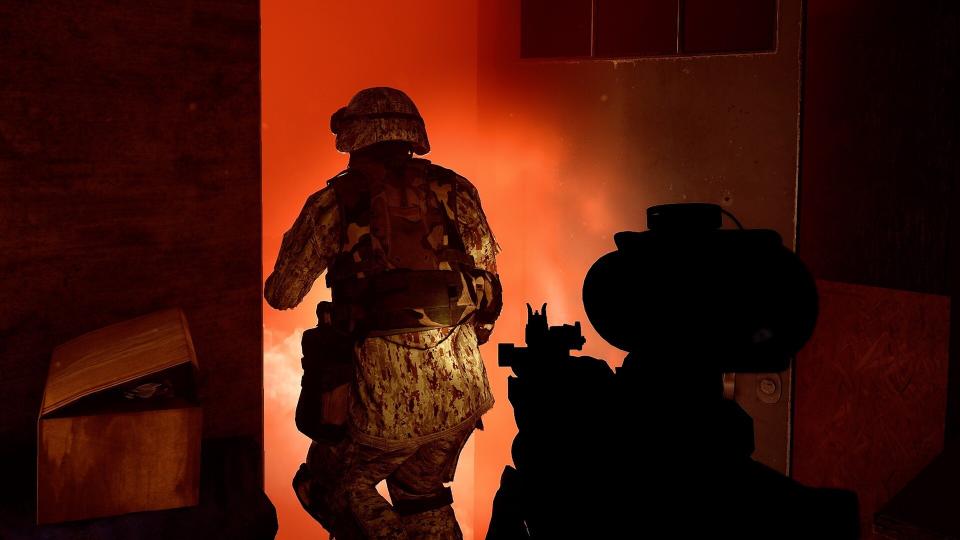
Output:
(103, 451)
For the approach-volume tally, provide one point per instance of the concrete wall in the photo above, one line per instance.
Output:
(130, 182)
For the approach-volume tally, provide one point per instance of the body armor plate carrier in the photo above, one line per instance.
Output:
(402, 265)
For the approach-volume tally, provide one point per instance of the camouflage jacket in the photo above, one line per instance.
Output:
(413, 387)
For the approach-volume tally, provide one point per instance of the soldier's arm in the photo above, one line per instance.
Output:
(480, 244)
(474, 229)
(307, 249)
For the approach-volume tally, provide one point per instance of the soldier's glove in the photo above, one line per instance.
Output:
(483, 332)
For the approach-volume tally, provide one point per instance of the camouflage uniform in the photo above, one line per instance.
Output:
(418, 394)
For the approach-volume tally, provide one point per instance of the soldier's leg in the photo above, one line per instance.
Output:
(316, 484)
(366, 467)
(418, 491)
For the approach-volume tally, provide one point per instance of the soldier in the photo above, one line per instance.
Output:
(411, 262)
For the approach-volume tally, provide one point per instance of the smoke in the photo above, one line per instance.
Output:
(281, 369)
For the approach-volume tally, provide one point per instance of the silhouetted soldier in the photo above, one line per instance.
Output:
(410, 260)
(654, 449)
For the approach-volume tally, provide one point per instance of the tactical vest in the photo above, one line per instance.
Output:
(401, 265)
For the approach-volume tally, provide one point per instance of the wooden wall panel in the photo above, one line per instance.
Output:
(880, 150)
(624, 28)
(724, 26)
(871, 389)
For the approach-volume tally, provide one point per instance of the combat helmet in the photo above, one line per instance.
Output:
(376, 115)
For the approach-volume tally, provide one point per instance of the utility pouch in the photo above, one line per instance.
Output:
(328, 371)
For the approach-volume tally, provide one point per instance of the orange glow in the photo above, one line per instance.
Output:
(315, 55)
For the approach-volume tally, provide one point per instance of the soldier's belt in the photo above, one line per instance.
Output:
(402, 300)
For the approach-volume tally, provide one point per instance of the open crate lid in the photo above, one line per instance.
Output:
(117, 354)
